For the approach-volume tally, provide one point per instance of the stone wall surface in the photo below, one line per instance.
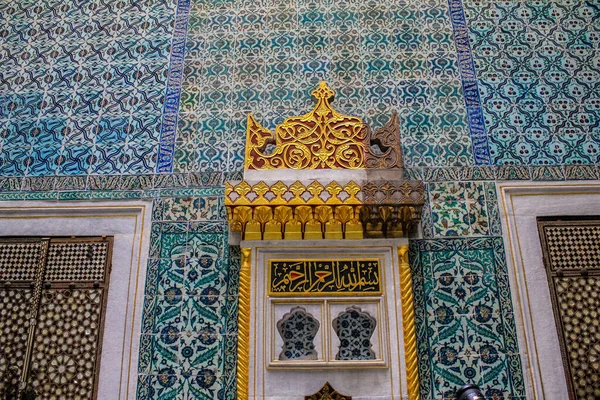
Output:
(148, 99)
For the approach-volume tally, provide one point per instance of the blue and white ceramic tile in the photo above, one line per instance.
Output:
(464, 317)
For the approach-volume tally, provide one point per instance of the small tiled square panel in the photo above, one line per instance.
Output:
(573, 246)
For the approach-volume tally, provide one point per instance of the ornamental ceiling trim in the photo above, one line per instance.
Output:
(376, 203)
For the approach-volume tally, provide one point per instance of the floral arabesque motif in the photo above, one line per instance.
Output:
(298, 330)
(354, 328)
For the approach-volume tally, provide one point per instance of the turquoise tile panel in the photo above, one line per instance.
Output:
(465, 325)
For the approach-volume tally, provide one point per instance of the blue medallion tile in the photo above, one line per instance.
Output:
(199, 351)
(167, 313)
(465, 314)
(164, 384)
(170, 277)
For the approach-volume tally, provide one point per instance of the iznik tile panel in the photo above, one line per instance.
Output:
(264, 57)
(538, 69)
(190, 309)
(82, 85)
(465, 327)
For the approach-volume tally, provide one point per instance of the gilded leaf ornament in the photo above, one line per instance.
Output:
(274, 207)
(321, 139)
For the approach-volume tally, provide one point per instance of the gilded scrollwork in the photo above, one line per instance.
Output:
(322, 138)
(312, 209)
(384, 149)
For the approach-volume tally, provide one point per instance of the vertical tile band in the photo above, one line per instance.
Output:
(481, 152)
(408, 323)
(243, 356)
(168, 129)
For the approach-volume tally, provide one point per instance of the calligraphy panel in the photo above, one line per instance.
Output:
(324, 277)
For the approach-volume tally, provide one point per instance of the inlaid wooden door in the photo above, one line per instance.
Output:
(52, 304)
(571, 250)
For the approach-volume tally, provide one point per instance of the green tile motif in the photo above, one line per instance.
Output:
(465, 325)
(188, 328)
(462, 209)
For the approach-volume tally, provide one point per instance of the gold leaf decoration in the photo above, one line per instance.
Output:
(320, 139)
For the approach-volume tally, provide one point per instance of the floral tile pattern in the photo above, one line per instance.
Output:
(464, 316)
(189, 322)
(82, 86)
(537, 73)
(265, 58)
(462, 209)
(148, 100)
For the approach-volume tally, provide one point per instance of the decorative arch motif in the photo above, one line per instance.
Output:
(354, 328)
(298, 329)
(327, 392)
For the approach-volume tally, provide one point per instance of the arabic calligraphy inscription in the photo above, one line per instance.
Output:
(319, 277)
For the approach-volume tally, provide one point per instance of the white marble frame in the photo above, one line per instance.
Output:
(129, 223)
(520, 204)
(362, 383)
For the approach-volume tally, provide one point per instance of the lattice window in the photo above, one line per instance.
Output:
(298, 329)
(572, 258)
(355, 327)
(62, 284)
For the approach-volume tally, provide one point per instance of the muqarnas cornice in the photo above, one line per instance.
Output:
(323, 175)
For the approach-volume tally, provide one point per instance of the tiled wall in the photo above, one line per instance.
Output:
(190, 308)
(148, 99)
(464, 316)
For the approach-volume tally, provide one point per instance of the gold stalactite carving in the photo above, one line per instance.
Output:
(241, 215)
(297, 190)
(260, 189)
(333, 188)
(253, 230)
(408, 323)
(293, 230)
(303, 214)
(315, 189)
(242, 189)
(389, 209)
(243, 356)
(352, 189)
(279, 190)
(313, 230)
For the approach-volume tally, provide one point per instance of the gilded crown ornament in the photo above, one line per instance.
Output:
(322, 139)
(276, 207)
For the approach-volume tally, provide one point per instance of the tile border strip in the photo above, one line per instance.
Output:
(479, 141)
(168, 129)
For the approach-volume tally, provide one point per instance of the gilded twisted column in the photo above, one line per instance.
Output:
(408, 322)
(243, 356)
